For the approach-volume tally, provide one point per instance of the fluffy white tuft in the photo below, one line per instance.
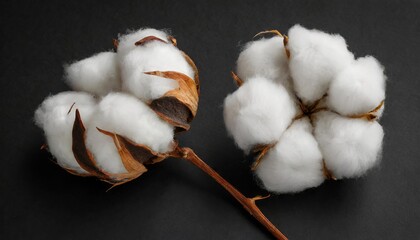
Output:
(349, 146)
(128, 116)
(97, 74)
(315, 58)
(359, 88)
(266, 58)
(294, 163)
(258, 112)
(152, 56)
(127, 41)
(54, 118)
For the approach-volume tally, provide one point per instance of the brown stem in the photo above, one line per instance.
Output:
(248, 203)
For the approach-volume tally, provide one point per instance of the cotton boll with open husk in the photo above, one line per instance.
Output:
(115, 139)
(97, 75)
(56, 117)
(326, 81)
(258, 112)
(315, 59)
(349, 146)
(359, 88)
(294, 163)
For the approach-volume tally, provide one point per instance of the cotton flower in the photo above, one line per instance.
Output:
(113, 134)
(330, 134)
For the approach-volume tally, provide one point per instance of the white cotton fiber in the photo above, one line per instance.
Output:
(258, 112)
(294, 163)
(359, 88)
(266, 58)
(152, 56)
(315, 59)
(98, 74)
(349, 146)
(127, 41)
(128, 116)
(54, 118)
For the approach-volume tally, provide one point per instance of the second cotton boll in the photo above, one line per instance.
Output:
(333, 134)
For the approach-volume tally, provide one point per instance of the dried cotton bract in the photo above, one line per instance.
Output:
(323, 127)
(112, 135)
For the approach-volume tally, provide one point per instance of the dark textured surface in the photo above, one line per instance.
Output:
(174, 200)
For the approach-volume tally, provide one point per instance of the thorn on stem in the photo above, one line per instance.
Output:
(257, 198)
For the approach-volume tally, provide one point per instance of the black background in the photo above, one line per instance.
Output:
(174, 199)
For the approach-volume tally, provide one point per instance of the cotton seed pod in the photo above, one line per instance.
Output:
(114, 137)
(333, 134)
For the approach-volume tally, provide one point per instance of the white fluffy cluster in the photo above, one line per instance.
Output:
(263, 111)
(97, 80)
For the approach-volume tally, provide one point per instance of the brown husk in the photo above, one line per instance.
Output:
(132, 155)
(178, 106)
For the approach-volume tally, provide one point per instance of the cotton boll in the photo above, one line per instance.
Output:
(294, 163)
(154, 56)
(98, 74)
(315, 59)
(127, 116)
(349, 146)
(359, 88)
(54, 118)
(258, 112)
(266, 58)
(127, 41)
